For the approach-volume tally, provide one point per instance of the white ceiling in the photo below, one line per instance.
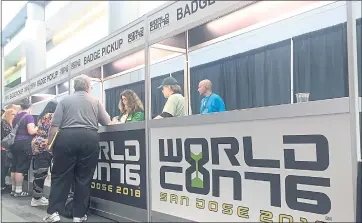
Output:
(13, 57)
(8, 11)
(59, 20)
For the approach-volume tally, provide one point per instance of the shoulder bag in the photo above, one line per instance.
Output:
(8, 140)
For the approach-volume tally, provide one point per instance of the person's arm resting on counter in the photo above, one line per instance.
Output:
(103, 116)
(169, 110)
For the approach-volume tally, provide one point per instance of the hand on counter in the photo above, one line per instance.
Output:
(114, 122)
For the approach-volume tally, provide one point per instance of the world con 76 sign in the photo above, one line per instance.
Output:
(286, 170)
(120, 175)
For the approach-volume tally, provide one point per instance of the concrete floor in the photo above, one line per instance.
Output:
(19, 210)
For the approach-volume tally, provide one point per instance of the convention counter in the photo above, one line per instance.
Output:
(286, 162)
(231, 165)
(119, 187)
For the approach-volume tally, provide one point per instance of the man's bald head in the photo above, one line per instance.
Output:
(205, 87)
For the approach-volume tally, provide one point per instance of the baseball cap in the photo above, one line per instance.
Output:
(168, 81)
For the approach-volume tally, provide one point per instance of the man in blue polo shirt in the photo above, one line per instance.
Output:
(211, 102)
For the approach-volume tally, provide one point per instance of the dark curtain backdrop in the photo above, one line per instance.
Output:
(260, 77)
(320, 63)
(257, 78)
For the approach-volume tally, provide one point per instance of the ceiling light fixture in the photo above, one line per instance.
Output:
(97, 11)
(261, 13)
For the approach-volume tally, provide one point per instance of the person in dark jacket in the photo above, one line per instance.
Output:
(131, 108)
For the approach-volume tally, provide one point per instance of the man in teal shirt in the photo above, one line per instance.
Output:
(211, 102)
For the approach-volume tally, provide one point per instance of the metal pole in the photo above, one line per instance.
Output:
(148, 117)
(102, 85)
(291, 71)
(69, 76)
(187, 76)
(353, 93)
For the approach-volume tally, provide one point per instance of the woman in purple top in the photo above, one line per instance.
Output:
(21, 148)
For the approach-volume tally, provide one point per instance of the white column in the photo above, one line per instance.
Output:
(35, 41)
(121, 13)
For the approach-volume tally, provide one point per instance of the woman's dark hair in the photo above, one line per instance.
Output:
(25, 103)
(49, 108)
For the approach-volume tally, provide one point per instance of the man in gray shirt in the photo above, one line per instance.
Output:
(75, 150)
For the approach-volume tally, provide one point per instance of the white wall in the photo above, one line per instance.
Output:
(60, 97)
(9, 11)
(14, 43)
(307, 22)
(87, 36)
(38, 107)
(96, 90)
(53, 7)
(147, 6)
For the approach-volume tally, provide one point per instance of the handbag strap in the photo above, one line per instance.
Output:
(15, 129)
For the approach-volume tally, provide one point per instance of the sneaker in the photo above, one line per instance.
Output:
(83, 219)
(40, 202)
(52, 217)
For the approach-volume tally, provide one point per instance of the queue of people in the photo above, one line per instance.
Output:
(67, 135)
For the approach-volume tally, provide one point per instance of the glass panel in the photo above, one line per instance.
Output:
(267, 54)
(124, 88)
(167, 69)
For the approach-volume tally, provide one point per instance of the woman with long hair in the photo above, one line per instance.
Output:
(131, 108)
(42, 156)
(6, 127)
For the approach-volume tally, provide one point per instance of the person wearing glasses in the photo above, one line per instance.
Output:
(6, 127)
(175, 104)
(131, 108)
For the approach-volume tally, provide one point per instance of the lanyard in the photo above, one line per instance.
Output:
(205, 103)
